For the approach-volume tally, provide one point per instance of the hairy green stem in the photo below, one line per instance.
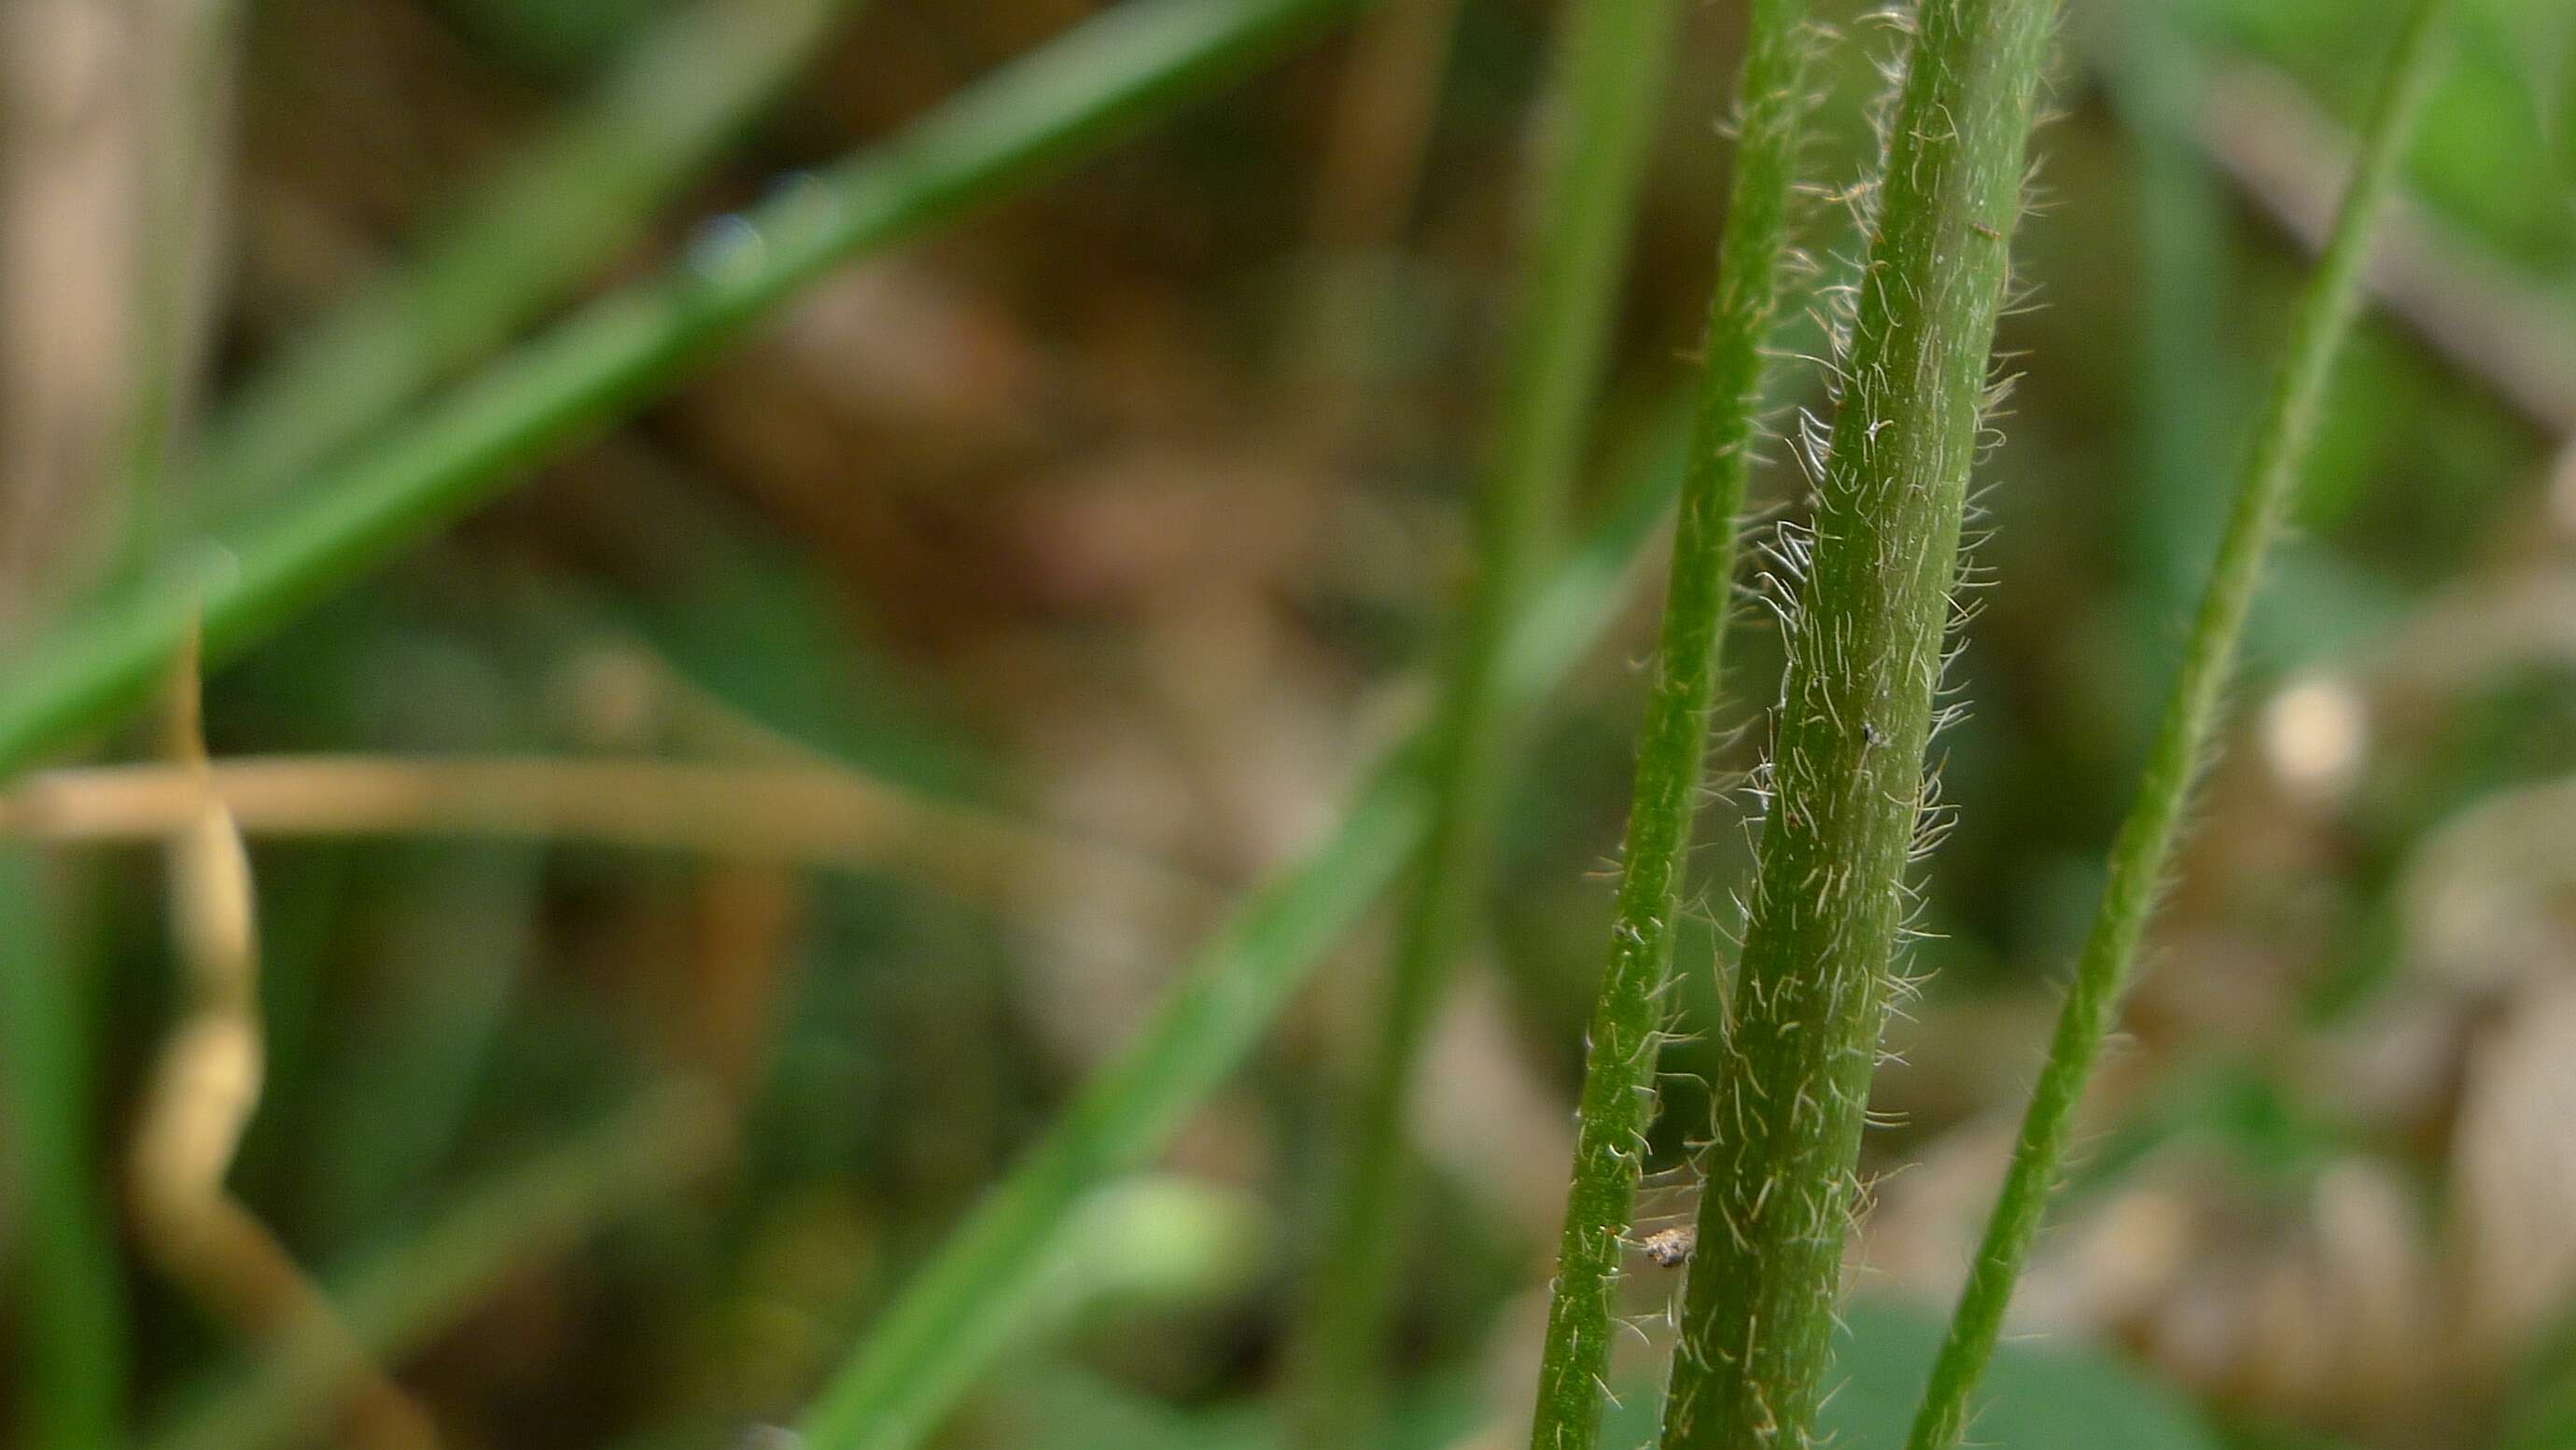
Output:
(1098, 83)
(514, 246)
(1848, 791)
(2145, 842)
(1611, 63)
(1628, 1022)
(71, 1332)
(962, 1309)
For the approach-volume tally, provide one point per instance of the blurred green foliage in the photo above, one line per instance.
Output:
(441, 1015)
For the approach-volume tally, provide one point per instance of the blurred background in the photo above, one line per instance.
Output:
(683, 888)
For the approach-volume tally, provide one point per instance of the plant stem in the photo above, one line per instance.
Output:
(1610, 68)
(188, 60)
(1865, 651)
(71, 1317)
(1098, 83)
(963, 1307)
(1628, 1022)
(2140, 853)
(515, 245)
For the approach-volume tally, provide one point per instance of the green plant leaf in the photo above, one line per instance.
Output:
(2041, 1396)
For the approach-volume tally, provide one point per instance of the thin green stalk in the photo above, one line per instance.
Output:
(1848, 791)
(1365, 192)
(70, 1310)
(1100, 82)
(962, 1309)
(1617, 1101)
(2145, 842)
(1381, 129)
(189, 57)
(967, 1304)
(515, 245)
(1610, 68)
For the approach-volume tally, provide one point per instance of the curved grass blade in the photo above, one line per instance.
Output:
(2145, 843)
(1103, 80)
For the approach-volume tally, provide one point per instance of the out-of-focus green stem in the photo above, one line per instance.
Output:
(2145, 842)
(962, 1309)
(1865, 639)
(1609, 76)
(560, 208)
(1381, 131)
(967, 1304)
(1097, 83)
(1628, 1024)
(189, 54)
(71, 1329)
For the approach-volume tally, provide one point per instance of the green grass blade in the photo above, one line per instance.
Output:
(1611, 63)
(516, 245)
(2140, 853)
(181, 149)
(966, 1304)
(1866, 640)
(1101, 81)
(969, 1301)
(1629, 1021)
(70, 1309)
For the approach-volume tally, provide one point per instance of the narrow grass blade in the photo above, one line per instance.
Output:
(1866, 638)
(1101, 81)
(190, 58)
(2145, 842)
(71, 1331)
(963, 1307)
(1628, 1022)
(515, 246)
(967, 1304)
(1611, 65)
